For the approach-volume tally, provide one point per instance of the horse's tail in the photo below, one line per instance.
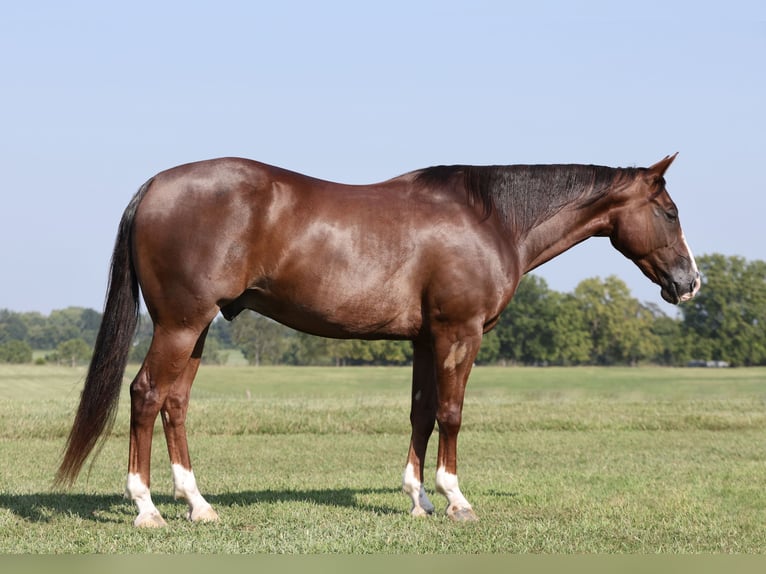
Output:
(100, 395)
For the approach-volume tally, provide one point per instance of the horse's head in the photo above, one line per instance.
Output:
(646, 229)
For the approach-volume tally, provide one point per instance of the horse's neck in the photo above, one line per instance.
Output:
(560, 232)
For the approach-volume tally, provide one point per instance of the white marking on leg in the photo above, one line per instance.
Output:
(447, 484)
(185, 486)
(458, 508)
(138, 492)
(421, 505)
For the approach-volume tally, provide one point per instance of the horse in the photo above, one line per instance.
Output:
(432, 256)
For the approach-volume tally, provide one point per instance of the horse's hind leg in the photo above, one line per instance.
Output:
(166, 361)
(174, 423)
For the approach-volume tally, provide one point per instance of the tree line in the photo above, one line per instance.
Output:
(599, 323)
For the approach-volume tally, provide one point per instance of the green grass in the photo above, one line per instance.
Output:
(309, 460)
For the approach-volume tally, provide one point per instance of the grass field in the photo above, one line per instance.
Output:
(309, 460)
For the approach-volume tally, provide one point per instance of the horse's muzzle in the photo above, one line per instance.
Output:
(676, 292)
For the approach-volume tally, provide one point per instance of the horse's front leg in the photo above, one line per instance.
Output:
(455, 352)
(422, 418)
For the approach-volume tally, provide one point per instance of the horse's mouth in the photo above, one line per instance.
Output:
(671, 293)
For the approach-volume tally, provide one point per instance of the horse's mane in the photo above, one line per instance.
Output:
(525, 195)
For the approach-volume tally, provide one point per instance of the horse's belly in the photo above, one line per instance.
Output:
(376, 314)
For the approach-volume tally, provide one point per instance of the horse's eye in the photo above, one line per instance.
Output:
(671, 215)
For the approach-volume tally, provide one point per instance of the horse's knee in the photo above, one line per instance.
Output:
(449, 418)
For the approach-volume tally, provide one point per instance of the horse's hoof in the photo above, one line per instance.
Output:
(205, 514)
(419, 511)
(425, 503)
(461, 514)
(150, 520)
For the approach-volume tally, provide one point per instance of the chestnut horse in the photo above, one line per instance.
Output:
(433, 256)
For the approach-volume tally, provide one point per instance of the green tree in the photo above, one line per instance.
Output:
(525, 329)
(213, 352)
(63, 325)
(88, 323)
(35, 324)
(571, 343)
(382, 352)
(338, 350)
(220, 330)
(672, 349)
(60, 326)
(305, 349)
(619, 326)
(16, 352)
(489, 352)
(73, 352)
(542, 326)
(727, 319)
(260, 339)
(12, 327)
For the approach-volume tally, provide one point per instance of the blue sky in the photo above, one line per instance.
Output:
(98, 96)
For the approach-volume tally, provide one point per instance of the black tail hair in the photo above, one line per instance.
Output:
(100, 395)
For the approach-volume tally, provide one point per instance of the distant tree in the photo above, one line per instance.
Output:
(571, 343)
(12, 327)
(525, 329)
(382, 352)
(489, 352)
(338, 350)
(60, 326)
(727, 319)
(16, 352)
(213, 352)
(304, 349)
(619, 326)
(260, 339)
(539, 326)
(73, 352)
(35, 324)
(63, 325)
(220, 330)
(672, 349)
(88, 323)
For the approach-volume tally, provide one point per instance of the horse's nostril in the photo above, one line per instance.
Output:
(695, 285)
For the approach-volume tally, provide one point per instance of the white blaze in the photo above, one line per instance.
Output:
(697, 282)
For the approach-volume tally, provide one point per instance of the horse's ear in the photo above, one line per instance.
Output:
(661, 166)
